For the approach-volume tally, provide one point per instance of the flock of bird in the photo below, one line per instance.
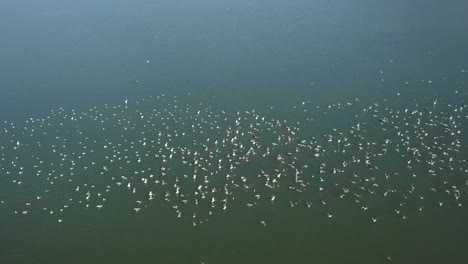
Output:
(386, 159)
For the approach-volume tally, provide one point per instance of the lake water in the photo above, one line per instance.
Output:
(225, 58)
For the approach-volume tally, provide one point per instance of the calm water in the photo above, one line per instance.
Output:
(229, 55)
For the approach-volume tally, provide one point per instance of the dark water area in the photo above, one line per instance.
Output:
(118, 80)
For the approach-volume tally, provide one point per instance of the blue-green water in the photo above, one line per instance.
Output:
(220, 57)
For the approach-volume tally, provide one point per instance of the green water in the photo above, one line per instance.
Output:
(229, 55)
